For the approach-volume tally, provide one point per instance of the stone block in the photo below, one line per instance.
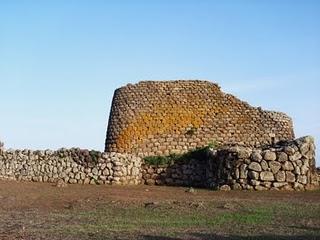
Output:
(253, 175)
(302, 179)
(256, 156)
(264, 165)
(274, 166)
(287, 166)
(280, 176)
(282, 157)
(269, 155)
(290, 177)
(266, 176)
(255, 167)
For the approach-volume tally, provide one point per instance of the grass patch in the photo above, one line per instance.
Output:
(134, 219)
(113, 221)
(256, 217)
(199, 153)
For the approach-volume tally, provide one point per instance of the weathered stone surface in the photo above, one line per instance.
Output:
(243, 171)
(304, 169)
(297, 170)
(222, 168)
(269, 155)
(225, 188)
(287, 166)
(72, 181)
(304, 148)
(280, 176)
(282, 157)
(289, 150)
(266, 176)
(238, 172)
(266, 184)
(264, 165)
(150, 181)
(244, 153)
(290, 177)
(254, 182)
(236, 186)
(253, 175)
(255, 166)
(274, 166)
(61, 183)
(298, 186)
(1, 146)
(302, 179)
(296, 156)
(183, 111)
(256, 156)
(72, 165)
(287, 188)
(279, 184)
(260, 188)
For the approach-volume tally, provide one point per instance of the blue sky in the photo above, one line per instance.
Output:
(60, 61)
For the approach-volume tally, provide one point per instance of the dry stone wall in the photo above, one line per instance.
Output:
(70, 166)
(192, 173)
(286, 166)
(289, 165)
(1, 146)
(161, 118)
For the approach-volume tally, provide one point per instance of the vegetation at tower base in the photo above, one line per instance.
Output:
(172, 117)
(182, 133)
(288, 165)
(197, 153)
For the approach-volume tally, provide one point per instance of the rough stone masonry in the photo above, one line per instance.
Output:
(165, 117)
(288, 165)
(257, 150)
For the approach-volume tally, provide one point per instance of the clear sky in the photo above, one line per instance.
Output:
(60, 61)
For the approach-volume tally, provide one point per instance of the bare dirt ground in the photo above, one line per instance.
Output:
(44, 211)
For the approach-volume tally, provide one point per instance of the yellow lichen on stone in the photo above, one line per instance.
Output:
(170, 118)
(156, 118)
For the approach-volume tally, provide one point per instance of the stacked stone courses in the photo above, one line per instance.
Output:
(241, 147)
(71, 166)
(165, 117)
(289, 165)
(286, 166)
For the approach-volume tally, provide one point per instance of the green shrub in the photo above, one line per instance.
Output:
(95, 155)
(197, 153)
(213, 144)
(158, 160)
(191, 131)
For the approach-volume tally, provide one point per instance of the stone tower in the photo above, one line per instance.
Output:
(164, 117)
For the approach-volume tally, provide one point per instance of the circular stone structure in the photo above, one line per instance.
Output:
(167, 117)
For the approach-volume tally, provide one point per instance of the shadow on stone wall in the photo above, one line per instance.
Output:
(286, 165)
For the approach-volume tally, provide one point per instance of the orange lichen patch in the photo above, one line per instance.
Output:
(169, 119)
(243, 119)
(155, 118)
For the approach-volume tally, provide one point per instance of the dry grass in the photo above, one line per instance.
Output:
(179, 215)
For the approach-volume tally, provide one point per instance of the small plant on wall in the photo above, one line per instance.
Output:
(213, 144)
(191, 131)
(197, 153)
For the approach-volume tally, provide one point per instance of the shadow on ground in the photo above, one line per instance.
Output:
(204, 236)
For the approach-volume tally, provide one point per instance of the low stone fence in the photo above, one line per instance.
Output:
(289, 165)
(286, 166)
(1, 146)
(70, 165)
(192, 173)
